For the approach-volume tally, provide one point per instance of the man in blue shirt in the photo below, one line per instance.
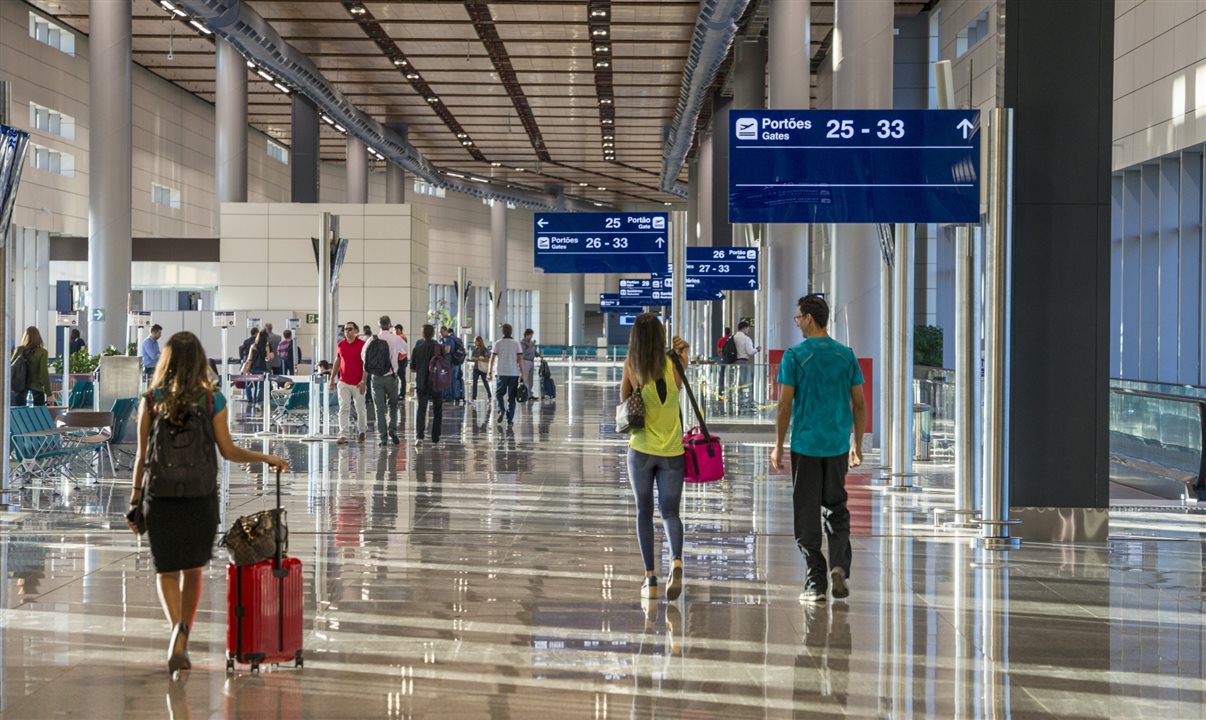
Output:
(150, 351)
(821, 396)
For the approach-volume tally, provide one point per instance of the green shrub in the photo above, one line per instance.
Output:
(927, 346)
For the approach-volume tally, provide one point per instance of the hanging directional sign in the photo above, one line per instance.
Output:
(722, 268)
(601, 242)
(646, 291)
(854, 166)
(613, 303)
(700, 293)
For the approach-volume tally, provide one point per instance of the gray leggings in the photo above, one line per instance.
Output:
(667, 473)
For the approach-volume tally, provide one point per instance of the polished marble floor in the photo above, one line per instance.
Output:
(495, 576)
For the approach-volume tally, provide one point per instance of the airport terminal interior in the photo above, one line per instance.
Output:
(492, 217)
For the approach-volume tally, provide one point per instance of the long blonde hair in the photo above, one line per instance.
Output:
(181, 376)
(646, 360)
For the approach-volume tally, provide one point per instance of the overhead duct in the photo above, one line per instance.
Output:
(258, 41)
(715, 29)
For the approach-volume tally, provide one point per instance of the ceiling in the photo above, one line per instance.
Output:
(522, 89)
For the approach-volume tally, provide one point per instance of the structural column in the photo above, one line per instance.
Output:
(498, 258)
(357, 167)
(577, 309)
(304, 155)
(749, 93)
(230, 133)
(395, 184)
(110, 168)
(788, 88)
(862, 79)
(395, 176)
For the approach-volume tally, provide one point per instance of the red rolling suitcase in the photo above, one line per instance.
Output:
(264, 609)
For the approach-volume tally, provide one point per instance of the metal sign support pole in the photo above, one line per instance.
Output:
(967, 377)
(994, 531)
(225, 365)
(902, 367)
(886, 408)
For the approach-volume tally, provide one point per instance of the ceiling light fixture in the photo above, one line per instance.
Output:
(495, 164)
(197, 24)
(598, 13)
(601, 189)
(608, 144)
(399, 62)
(602, 64)
(604, 101)
(608, 121)
(250, 65)
(280, 87)
(449, 173)
(412, 76)
(667, 204)
(518, 169)
(327, 119)
(466, 143)
(357, 10)
(598, 204)
(265, 75)
(601, 32)
(461, 136)
(173, 9)
(340, 128)
(582, 184)
(433, 99)
(603, 49)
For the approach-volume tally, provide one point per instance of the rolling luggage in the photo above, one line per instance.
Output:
(548, 390)
(264, 608)
(522, 393)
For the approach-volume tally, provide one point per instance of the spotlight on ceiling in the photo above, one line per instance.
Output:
(357, 10)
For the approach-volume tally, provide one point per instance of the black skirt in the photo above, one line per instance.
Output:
(181, 531)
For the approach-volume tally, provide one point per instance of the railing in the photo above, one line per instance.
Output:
(1156, 438)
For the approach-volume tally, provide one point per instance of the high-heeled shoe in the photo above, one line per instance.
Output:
(177, 661)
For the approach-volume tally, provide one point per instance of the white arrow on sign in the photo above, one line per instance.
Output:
(660, 242)
(753, 283)
(753, 268)
(966, 126)
(542, 222)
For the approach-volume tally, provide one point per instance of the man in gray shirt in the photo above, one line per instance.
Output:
(529, 347)
(506, 357)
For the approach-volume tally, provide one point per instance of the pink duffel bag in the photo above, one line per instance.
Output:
(703, 457)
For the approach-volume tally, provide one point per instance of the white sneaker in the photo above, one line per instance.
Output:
(810, 597)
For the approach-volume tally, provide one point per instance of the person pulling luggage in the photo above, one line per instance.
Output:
(181, 420)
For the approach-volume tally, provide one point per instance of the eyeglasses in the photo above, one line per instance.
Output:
(799, 317)
(349, 329)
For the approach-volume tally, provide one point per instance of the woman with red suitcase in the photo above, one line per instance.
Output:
(175, 497)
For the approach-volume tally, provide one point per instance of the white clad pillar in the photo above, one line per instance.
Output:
(498, 257)
(357, 168)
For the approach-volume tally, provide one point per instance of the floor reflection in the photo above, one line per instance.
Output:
(495, 575)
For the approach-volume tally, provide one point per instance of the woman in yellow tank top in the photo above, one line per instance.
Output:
(655, 453)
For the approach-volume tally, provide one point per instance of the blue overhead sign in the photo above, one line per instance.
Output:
(702, 293)
(722, 268)
(613, 303)
(646, 291)
(854, 166)
(602, 242)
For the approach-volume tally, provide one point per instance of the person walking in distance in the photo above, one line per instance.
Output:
(381, 366)
(821, 398)
(150, 350)
(177, 493)
(745, 363)
(481, 366)
(403, 363)
(29, 370)
(259, 358)
(505, 361)
(349, 372)
(529, 347)
(655, 452)
(424, 351)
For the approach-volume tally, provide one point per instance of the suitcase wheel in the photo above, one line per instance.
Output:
(297, 660)
(255, 666)
(229, 666)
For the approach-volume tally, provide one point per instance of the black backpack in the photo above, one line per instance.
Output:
(728, 351)
(458, 351)
(376, 358)
(181, 458)
(18, 371)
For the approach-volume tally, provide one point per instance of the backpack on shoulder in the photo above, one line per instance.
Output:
(376, 358)
(439, 372)
(458, 351)
(181, 460)
(728, 352)
(18, 371)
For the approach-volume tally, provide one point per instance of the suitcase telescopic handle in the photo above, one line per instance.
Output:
(278, 566)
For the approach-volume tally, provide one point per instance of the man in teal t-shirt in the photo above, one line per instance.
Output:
(822, 399)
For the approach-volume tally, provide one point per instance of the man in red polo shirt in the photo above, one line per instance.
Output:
(349, 373)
